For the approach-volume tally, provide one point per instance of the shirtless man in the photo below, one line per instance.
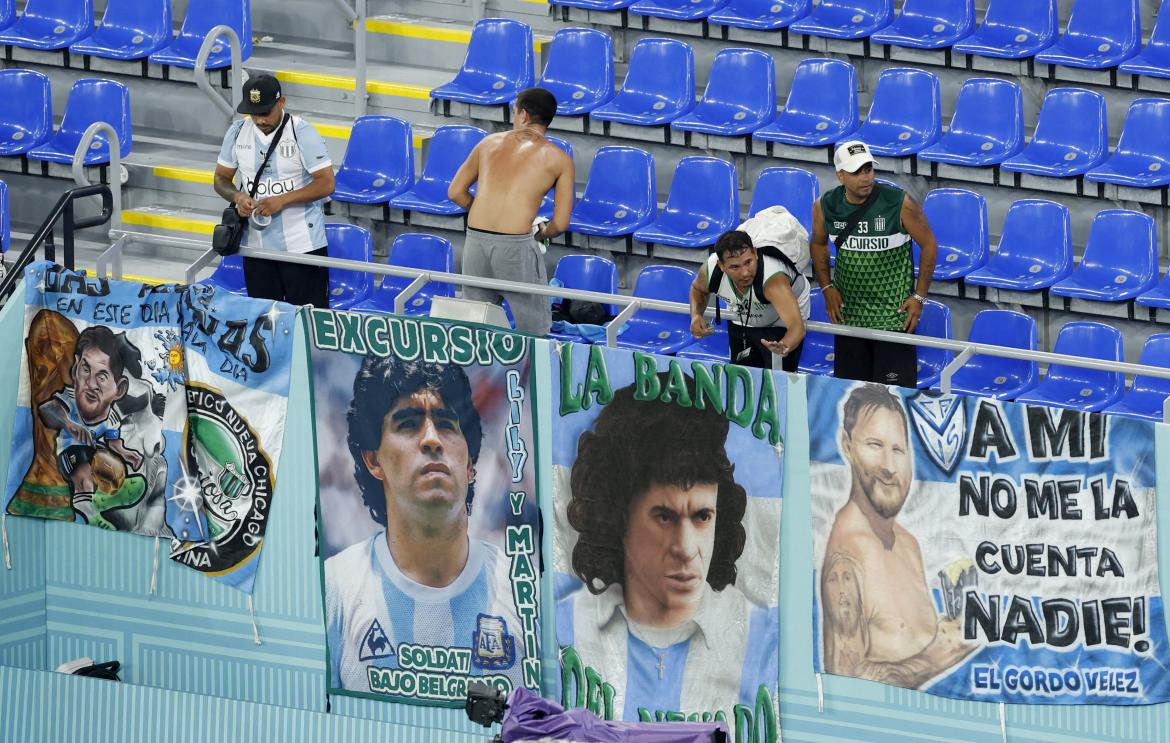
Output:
(879, 620)
(515, 170)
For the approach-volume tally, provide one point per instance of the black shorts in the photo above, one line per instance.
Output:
(73, 457)
(746, 349)
(875, 361)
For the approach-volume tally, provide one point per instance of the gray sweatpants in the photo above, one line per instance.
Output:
(511, 258)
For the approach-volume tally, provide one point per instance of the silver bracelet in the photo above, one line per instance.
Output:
(921, 299)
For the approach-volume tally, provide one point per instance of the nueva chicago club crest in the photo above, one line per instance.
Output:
(940, 421)
(234, 475)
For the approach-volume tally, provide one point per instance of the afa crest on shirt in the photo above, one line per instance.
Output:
(492, 646)
(288, 150)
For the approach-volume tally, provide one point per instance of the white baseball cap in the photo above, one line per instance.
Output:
(851, 155)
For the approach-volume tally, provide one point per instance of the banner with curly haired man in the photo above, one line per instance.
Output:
(428, 506)
(667, 487)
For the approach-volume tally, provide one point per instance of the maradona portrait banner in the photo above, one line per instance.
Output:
(239, 360)
(667, 485)
(100, 406)
(984, 550)
(428, 515)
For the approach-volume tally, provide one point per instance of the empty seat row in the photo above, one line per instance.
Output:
(130, 29)
(26, 120)
(1098, 34)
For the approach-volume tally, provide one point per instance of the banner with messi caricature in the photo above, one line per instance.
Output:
(667, 489)
(239, 360)
(428, 513)
(100, 410)
(984, 550)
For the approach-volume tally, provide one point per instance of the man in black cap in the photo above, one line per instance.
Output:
(285, 214)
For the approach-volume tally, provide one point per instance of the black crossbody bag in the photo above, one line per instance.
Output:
(857, 215)
(226, 237)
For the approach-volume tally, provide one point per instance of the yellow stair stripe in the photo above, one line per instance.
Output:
(191, 175)
(433, 33)
(146, 279)
(342, 82)
(168, 222)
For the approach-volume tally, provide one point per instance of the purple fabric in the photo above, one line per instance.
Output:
(530, 717)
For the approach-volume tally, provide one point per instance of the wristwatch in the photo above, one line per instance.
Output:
(921, 299)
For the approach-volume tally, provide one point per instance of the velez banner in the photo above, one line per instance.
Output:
(984, 550)
(667, 488)
(428, 509)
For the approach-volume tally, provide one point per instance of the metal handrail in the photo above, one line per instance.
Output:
(81, 179)
(200, 73)
(44, 234)
(679, 308)
(356, 16)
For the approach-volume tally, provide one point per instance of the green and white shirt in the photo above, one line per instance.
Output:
(875, 266)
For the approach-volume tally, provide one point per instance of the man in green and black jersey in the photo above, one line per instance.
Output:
(872, 285)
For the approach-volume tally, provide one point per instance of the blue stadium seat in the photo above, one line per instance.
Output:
(659, 85)
(620, 196)
(904, 114)
(715, 347)
(987, 128)
(740, 95)
(1074, 387)
(378, 162)
(1071, 136)
(130, 29)
(348, 288)
(792, 188)
(817, 355)
(1154, 60)
(995, 376)
(676, 10)
(414, 250)
(1035, 248)
(1098, 35)
(935, 323)
(929, 24)
(1013, 30)
(1142, 156)
(846, 19)
(90, 100)
(603, 5)
(202, 16)
(1158, 297)
(659, 331)
(7, 13)
(958, 219)
(1120, 260)
(578, 70)
(498, 64)
(5, 220)
(449, 147)
(50, 24)
(821, 107)
(760, 15)
(228, 275)
(546, 204)
(26, 119)
(1146, 396)
(592, 273)
(703, 204)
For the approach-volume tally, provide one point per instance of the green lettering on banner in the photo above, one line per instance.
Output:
(572, 678)
(646, 386)
(596, 387)
(404, 337)
(462, 345)
(736, 376)
(509, 347)
(378, 336)
(767, 413)
(708, 386)
(435, 343)
(350, 325)
(519, 539)
(676, 386)
(324, 330)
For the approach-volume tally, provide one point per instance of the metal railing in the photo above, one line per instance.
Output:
(115, 178)
(200, 74)
(965, 349)
(44, 236)
(356, 16)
